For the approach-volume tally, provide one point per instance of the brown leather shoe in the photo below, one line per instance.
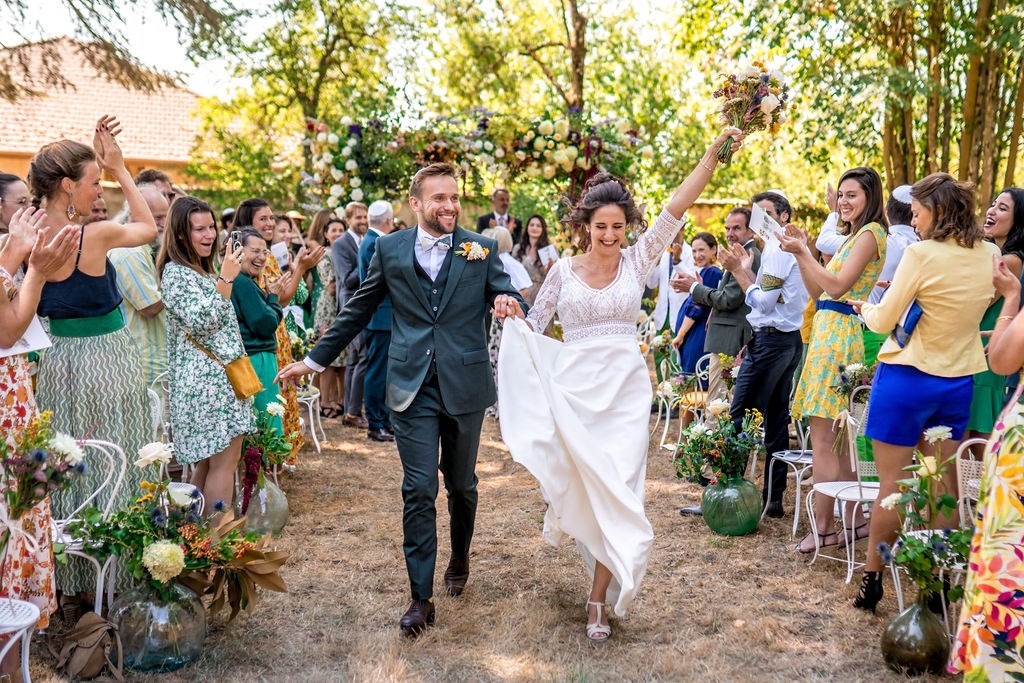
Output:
(456, 575)
(416, 619)
(355, 421)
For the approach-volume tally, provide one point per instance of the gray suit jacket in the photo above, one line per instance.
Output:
(345, 257)
(452, 336)
(728, 329)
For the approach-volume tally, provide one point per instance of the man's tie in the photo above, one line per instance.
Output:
(444, 243)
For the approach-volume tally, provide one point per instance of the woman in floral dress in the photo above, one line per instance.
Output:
(257, 213)
(332, 379)
(837, 338)
(990, 643)
(27, 573)
(207, 419)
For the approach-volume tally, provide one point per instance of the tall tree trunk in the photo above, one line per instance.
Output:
(576, 31)
(946, 140)
(1018, 126)
(901, 164)
(970, 110)
(986, 144)
(936, 15)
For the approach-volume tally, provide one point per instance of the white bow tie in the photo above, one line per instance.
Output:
(444, 243)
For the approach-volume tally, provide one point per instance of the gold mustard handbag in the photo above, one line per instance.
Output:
(240, 372)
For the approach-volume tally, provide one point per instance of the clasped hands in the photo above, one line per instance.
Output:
(506, 306)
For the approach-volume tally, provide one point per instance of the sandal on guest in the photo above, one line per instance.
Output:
(857, 535)
(824, 542)
(597, 632)
(328, 412)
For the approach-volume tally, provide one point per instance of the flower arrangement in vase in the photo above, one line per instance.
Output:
(928, 555)
(720, 452)
(262, 450)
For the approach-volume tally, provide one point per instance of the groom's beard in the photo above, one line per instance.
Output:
(431, 224)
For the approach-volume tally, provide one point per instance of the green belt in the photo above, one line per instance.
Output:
(88, 327)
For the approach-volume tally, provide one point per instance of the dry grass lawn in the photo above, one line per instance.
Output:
(710, 609)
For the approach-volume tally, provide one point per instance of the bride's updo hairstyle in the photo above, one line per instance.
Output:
(601, 190)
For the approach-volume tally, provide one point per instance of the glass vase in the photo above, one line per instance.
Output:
(159, 634)
(268, 509)
(732, 507)
(915, 641)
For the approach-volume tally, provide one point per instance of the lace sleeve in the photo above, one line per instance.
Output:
(652, 243)
(543, 309)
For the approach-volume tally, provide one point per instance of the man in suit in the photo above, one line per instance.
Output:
(499, 217)
(345, 257)
(441, 279)
(728, 329)
(378, 332)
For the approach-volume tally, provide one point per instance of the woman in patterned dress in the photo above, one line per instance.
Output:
(257, 213)
(91, 378)
(990, 643)
(27, 573)
(837, 338)
(198, 302)
(332, 392)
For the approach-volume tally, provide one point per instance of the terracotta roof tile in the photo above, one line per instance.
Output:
(158, 126)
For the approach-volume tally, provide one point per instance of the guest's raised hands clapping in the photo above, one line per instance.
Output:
(794, 240)
(24, 228)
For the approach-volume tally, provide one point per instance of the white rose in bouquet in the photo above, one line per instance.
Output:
(769, 104)
(154, 453)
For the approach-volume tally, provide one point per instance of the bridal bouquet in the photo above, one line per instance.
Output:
(753, 99)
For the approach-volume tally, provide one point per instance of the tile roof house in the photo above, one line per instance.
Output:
(159, 128)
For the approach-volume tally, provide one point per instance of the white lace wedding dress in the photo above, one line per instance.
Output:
(576, 413)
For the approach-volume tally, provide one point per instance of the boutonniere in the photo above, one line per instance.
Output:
(473, 251)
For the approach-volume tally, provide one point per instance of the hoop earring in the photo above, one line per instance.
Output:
(71, 206)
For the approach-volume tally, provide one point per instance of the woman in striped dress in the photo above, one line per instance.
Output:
(90, 379)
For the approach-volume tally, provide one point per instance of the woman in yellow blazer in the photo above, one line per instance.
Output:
(926, 380)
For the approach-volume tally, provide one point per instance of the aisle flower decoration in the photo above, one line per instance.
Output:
(263, 449)
(719, 452)
(162, 538)
(753, 99)
(37, 463)
(921, 549)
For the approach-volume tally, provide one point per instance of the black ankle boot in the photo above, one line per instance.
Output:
(870, 591)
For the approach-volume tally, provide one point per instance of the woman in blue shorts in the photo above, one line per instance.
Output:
(928, 380)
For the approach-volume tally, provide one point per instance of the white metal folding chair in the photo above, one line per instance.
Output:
(968, 479)
(800, 464)
(18, 619)
(110, 459)
(158, 393)
(850, 496)
(310, 397)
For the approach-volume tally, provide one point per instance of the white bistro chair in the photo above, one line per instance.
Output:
(850, 496)
(109, 459)
(18, 620)
(310, 397)
(800, 465)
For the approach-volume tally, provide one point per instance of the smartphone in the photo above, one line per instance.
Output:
(234, 241)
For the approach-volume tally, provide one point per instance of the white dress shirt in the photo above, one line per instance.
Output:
(900, 237)
(432, 260)
(516, 272)
(778, 296)
(829, 240)
(669, 301)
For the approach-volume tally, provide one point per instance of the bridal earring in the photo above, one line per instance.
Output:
(71, 206)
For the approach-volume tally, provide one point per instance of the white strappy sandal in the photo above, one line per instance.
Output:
(597, 632)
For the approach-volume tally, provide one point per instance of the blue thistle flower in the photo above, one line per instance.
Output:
(885, 551)
(194, 494)
(947, 532)
(80, 468)
(220, 506)
(39, 455)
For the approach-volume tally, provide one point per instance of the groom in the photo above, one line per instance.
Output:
(441, 279)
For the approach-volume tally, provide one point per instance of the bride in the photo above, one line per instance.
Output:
(576, 413)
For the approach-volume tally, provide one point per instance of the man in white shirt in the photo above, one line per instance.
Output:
(901, 236)
(669, 301)
(777, 297)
